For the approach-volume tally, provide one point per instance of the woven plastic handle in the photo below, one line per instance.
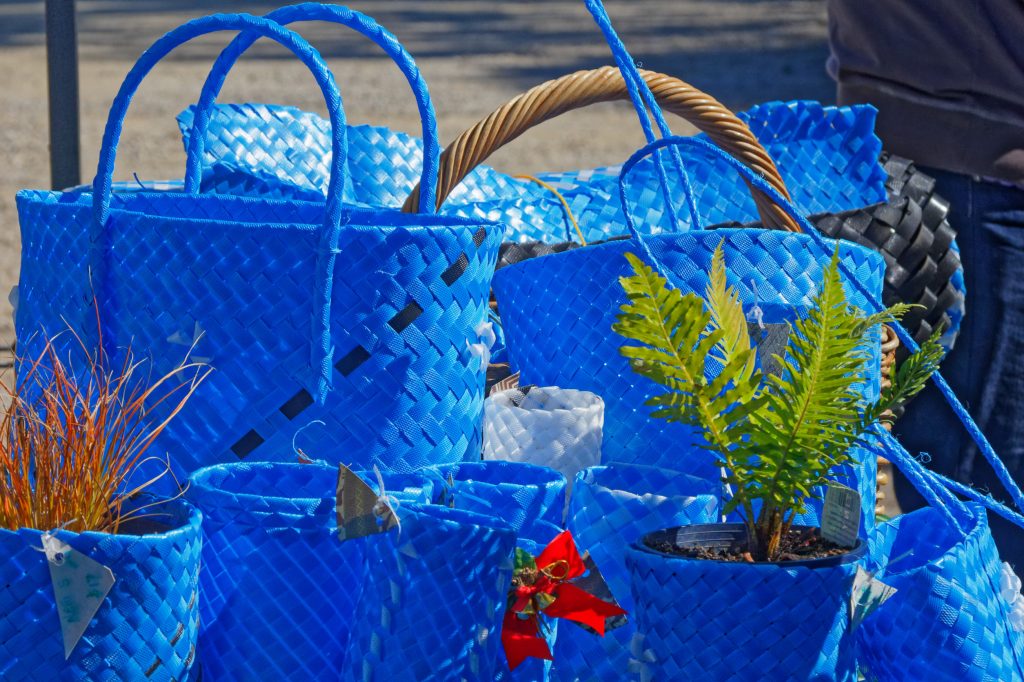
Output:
(606, 84)
(639, 93)
(312, 11)
(327, 251)
(876, 305)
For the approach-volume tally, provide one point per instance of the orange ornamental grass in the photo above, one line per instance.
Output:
(71, 437)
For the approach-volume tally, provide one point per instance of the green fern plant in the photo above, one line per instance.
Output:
(775, 436)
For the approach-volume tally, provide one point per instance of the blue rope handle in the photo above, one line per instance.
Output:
(313, 11)
(644, 100)
(321, 350)
(758, 182)
(923, 479)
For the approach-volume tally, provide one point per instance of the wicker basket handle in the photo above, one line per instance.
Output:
(582, 88)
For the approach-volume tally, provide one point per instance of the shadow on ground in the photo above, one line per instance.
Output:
(775, 45)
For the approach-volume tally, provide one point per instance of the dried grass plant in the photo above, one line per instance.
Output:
(71, 437)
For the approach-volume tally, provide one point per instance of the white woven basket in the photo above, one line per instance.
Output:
(554, 427)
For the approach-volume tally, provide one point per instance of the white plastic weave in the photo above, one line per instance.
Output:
(546, 425)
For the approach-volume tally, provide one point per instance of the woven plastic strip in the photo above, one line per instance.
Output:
(711, 620)
(612, 507)
(550, 426)
(520, 494)
(558, 312)
(146, 628)
(279, 589)
(261, 288)
(433, 599)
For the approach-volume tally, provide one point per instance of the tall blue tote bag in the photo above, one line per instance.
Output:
(306, 310)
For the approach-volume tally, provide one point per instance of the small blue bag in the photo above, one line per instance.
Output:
(715, 620)
(433, 598)
(147, 625)
(278, 588)
(950, 617)
(612, 507)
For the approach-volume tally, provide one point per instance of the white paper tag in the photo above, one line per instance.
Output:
(80, 584)
(840, 518)
(868, 594)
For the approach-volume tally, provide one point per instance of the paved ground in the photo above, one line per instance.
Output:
(475, 55)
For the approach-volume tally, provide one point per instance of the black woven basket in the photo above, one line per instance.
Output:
(912, 233)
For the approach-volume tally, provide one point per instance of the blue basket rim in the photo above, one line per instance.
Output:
(726, 234)
(187, 516)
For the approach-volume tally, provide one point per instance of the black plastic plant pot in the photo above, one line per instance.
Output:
(725, 535)
(700, 619)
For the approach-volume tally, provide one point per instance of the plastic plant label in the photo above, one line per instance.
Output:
(868, 594)
(359, 509)
(594, 583)
(80, 584)
(770, 341)
(840, 517)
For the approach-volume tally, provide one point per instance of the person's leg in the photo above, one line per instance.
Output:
(986, 367)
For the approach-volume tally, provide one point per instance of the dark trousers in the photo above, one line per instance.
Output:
(986, 367)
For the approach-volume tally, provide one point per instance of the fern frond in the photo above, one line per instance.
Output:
(728, 316)
(909, 380)
(811, 413)
(893, 313)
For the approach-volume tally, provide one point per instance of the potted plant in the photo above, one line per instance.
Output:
(763, 598)
(98, 580)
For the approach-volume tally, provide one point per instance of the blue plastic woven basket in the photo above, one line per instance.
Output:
(558, 312)
(711, 620)
(521, 494)
(279, 590)
(432, 603)
(146, 628)
(611, 508)
(274, 296)
(275, 151)
(947, 621)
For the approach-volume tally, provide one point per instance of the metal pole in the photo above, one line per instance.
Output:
(62, 72)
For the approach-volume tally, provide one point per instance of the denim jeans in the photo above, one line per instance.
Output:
(986, 367)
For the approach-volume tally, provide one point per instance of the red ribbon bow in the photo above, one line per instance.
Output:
(548, 589)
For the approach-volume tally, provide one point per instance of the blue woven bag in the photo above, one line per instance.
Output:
(558, 310)
(279, 590)
(146, 627)
(307, 311)
(611, 507)
(433, 598)
(520, 494)
(948, 620)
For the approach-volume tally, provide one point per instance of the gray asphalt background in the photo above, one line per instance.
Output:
(475, 55)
